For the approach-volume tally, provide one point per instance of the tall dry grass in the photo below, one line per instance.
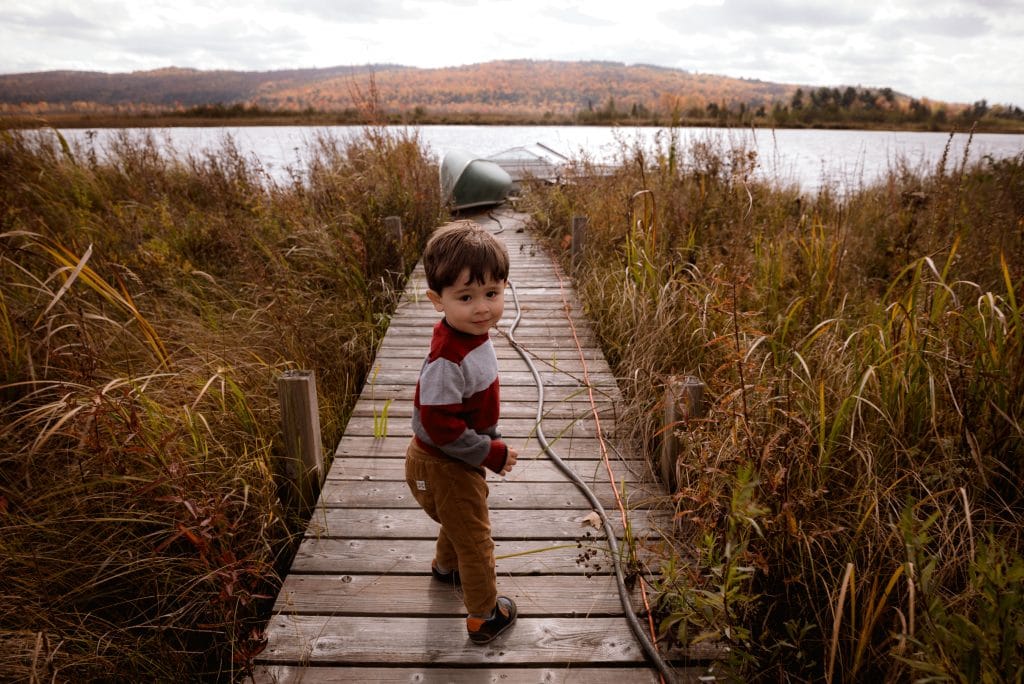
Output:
(851, 508)
(147, 306)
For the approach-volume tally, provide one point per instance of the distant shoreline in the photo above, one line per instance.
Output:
(498, 93)
(165, 120)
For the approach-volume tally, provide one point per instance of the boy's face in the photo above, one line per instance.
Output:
(471, 308)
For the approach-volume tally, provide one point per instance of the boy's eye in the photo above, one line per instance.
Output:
(464, 298)
(492, 294)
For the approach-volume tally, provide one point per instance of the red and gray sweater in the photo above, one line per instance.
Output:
(455, 413)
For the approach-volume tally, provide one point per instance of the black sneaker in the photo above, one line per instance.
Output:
(450, 577)
(482, 631)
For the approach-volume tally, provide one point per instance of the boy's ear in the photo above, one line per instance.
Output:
(435, 299)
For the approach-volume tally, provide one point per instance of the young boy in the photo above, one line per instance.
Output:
(455, 419)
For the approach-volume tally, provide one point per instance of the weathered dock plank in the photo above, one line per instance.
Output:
(578, 674)
(531, 467)
(382, 640)
(411, 596)
(504, 494)
(567, 447)
(577, 425)
(539, 556)
(405, 523)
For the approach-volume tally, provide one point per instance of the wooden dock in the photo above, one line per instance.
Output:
(359, 605)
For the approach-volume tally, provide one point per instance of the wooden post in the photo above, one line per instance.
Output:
(684, 400)
(669, 440)
(579, 234)
(396, 255)
(300, 420)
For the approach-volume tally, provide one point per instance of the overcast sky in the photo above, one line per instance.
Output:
(953, 50)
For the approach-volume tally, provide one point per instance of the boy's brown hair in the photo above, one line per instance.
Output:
(460, 245)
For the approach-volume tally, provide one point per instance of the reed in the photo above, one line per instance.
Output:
(851, 506)
(147, 305)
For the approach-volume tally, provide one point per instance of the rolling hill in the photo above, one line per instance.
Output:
(511, 91)
(508, 86)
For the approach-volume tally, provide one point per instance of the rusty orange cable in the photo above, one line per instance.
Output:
(567, 309)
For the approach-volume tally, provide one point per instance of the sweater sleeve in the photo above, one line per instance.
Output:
(497, 456)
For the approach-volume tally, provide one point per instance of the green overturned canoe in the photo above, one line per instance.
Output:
(468, 181)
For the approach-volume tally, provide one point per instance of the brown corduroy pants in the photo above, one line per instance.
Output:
(454, 494)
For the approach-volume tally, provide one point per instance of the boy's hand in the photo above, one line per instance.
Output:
(510, 461)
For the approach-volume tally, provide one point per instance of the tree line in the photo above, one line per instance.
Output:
(844, 107)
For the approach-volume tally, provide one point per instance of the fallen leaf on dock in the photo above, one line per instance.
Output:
(592, 519)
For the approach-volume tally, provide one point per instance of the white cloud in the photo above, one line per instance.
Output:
(755, 15)
(353, 11)
(575, 16)
(966, 26)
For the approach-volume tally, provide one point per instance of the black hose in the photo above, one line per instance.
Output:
(627, 604)
(501, 228)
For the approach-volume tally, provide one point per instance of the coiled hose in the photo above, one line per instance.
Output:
(627, 604)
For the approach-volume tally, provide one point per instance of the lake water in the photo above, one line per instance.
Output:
(843, 159)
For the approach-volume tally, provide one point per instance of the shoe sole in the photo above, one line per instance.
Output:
(492, 637)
